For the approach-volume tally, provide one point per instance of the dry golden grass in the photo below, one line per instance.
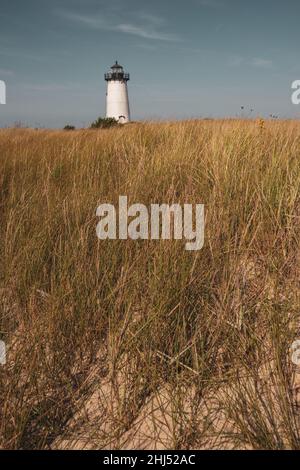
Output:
(189, 347)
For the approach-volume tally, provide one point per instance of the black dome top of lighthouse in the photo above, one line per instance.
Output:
(116, 73)
(116, 66)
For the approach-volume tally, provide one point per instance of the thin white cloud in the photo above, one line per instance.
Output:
(258, 62)
(148, 26)
(6, 73)
(236, 60)
(90, 21)
(51, 87)
(262, 63)
(144, 32)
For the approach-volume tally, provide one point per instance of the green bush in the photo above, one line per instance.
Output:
(104, 123)
(69, 128)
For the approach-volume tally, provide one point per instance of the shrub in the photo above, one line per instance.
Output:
(104, 123)
(69, 128)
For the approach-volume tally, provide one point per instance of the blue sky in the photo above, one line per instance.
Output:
(193, 58)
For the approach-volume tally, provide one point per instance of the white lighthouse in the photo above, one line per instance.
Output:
(117, 103)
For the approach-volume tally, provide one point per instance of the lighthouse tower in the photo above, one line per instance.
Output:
(117, 103)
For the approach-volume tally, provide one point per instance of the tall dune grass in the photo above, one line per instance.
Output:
(209, 330)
